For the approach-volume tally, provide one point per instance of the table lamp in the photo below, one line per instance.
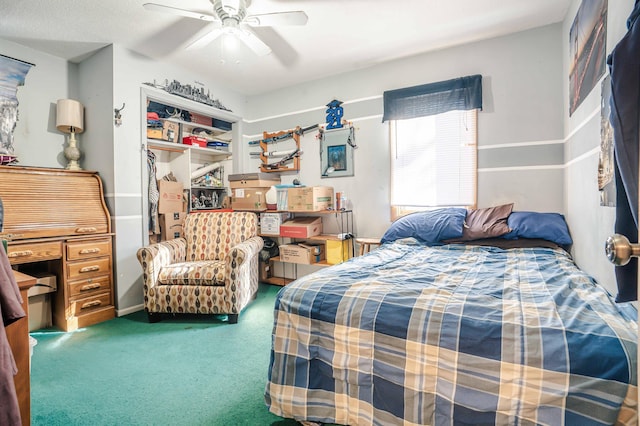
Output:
(70, 119)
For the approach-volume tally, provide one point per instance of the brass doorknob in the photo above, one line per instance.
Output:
(619, 250)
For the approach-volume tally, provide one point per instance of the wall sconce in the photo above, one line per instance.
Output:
(70, 119)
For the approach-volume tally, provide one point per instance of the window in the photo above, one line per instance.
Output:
(433, 134)
(433, 161)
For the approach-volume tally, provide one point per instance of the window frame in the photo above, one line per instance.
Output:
(397, 211)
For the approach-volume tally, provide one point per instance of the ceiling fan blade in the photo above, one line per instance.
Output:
(179, 12)
(253, 42)
(205, 39)
(277, 19)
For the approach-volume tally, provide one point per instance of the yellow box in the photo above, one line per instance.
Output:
(338, 251)
(310, 198)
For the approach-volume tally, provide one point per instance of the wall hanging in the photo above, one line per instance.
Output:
(588, 40)
(12, 75)
(336, 152)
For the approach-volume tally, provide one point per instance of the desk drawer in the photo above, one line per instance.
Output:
(34, 252)
(87, 304)
(89, 268)
(88, 248)
(84, 288)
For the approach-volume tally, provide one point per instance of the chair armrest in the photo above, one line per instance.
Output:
(154, 256)
(243, 252)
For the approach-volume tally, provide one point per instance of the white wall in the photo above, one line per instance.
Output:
(590, 223)
(522, 91)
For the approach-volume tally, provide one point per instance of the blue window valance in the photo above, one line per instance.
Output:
(462, 93)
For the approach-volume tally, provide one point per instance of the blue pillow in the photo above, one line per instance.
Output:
(428, 227)
(548, 226)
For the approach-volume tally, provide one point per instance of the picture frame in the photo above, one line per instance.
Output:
(336, 153)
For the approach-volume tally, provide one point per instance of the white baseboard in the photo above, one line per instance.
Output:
(129, 310)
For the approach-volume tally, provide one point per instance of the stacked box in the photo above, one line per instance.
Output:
(253, 180)
(252, 199)
(301, 227)
(303, 253)
(270, 223)
(171, 225)
(170, 197)
(310, 199)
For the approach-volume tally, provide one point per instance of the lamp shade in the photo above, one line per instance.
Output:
(70, 116)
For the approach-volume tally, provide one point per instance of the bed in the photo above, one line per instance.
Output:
(432, 331)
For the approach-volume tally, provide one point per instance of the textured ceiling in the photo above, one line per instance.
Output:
(340, 35)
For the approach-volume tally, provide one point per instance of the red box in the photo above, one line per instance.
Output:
(301, 227)
(194, 140)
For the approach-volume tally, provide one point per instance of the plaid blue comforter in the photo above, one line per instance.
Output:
(453, 334)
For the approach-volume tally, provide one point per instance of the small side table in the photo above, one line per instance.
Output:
(366, 243)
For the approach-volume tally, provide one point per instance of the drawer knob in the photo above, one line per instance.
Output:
(86, 230)
(89, 286)
(91, 304)
(21, 253)
(90, 268)
(90, 250)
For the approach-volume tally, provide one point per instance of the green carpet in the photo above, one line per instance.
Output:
(194, 370)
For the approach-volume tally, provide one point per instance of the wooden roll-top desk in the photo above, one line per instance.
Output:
(57, 219)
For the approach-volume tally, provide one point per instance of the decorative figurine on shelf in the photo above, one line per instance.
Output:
(334, 115)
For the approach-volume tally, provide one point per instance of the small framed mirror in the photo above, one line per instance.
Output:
(336, 152)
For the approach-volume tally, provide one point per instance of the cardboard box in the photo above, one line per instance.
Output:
(170, 197)
(310, 199)
(338, 251)
(301, 227)
(170, 131)
(252, 199)
(265, 270)
(253, 180)
(270, 222)
(40, 315)
(303, 253)
(154, 133)
(171, 225)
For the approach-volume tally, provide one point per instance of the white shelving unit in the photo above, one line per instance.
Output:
(182, 159)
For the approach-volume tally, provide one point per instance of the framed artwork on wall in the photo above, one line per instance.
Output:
(336, 152)
(12, 75)
(587, 49)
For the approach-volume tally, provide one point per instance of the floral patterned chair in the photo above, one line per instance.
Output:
(212, 270)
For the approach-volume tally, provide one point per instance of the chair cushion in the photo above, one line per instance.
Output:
(202, 272)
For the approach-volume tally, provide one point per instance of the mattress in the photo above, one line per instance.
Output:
(411, 334)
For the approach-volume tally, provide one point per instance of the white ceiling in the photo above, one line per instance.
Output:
(340, 36)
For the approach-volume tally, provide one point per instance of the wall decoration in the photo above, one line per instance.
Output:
(606, 181)
(587, 38)
(12, 75)
(189, 92)
(336, 152)
(334, 115)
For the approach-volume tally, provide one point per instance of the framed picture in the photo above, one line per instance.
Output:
(587, 49)
(336, 153)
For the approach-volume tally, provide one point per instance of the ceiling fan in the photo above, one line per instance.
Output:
(230, 17)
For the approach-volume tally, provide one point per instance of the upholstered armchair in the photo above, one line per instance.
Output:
(212, 270)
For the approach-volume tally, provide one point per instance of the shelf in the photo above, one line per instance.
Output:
(180, 147)
(202, 126)
(208, 187)
(323, 263)
(277, 280)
